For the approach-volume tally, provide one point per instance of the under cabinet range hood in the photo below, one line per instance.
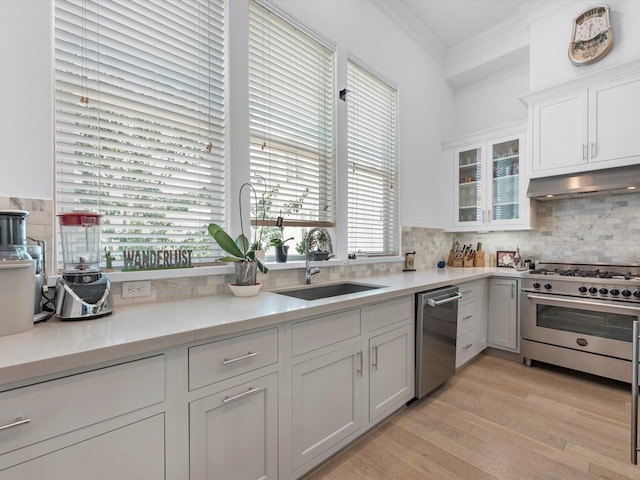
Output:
(586, 184)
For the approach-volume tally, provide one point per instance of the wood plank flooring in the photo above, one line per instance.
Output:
(497, 419)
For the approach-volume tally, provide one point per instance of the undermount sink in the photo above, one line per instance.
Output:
(324, 291)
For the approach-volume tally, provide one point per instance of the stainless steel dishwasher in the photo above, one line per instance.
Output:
(436, 331)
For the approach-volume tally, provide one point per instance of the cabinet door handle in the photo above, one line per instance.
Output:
(584, 151)
(251, 391)
(375, 362)
(468, 345)
(512, 289)
(250, 354)
(466, 292)
(19, 421)
(594, 151)
(489, 216)
(467, 317)
(361, 361)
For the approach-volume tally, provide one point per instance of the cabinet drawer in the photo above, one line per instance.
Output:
(466, 347)
(309, 335)
(469, 290)
(390, 312)
(467, 316)
(216, 361)
(65, 404)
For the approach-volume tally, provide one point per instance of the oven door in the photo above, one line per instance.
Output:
(604, 328)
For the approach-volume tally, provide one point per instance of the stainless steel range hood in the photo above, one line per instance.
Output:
(598, 182)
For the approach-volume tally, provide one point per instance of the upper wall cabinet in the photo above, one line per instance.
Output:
(488, 181)
(588, 128)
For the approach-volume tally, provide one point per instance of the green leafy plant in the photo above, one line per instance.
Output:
(317, 242)
(239, 249)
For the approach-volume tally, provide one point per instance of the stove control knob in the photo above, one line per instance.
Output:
(626, 293)
(547, 286)
(614, 292)
(593, 290)
(636, 294)
(603, 291)
(582, 289)
(537, 285)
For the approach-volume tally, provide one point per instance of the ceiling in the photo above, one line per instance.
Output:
(457, 21)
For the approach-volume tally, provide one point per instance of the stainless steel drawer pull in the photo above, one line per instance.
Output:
(251, 391)
(467, 292)
(468, 345)
(19, 421)
(375, 363)
(250, 354)
(360, 370)
(467, 317)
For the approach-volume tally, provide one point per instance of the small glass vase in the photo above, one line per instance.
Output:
(246, 272)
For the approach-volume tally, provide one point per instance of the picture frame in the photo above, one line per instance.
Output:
(504, 258)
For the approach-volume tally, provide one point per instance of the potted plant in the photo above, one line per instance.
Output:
(317, 246)
(240, 252)
(282, 250)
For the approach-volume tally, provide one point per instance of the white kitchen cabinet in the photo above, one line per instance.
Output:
(472, 321)
(234, 433)
(503, 314)
(489, 181)
(391, 371)
(586, 129)
(326, 402)
(107, 423)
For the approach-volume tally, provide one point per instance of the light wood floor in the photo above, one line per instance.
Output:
(497, 418)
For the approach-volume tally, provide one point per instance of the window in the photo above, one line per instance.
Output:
(372, 163)
(291, 103)
(140, 119)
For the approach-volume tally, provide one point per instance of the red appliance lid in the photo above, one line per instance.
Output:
(81, 219)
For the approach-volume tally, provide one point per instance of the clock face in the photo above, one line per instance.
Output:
(592, 36)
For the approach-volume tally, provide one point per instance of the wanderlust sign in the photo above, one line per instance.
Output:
(156, 259)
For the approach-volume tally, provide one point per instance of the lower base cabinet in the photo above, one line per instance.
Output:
(503, 314)
(233, 434)
(135, 451)
(326, 402)
(391, 374)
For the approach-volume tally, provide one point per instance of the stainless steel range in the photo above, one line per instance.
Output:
(581, 317)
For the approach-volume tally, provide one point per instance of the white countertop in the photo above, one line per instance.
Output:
(56, 346)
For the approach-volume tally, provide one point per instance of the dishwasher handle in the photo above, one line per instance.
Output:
(432, 302)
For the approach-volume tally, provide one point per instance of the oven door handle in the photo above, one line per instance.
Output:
(605, 307)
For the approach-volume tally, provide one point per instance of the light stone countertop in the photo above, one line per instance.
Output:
(56, 346)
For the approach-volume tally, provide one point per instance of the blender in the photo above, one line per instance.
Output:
(83, 291)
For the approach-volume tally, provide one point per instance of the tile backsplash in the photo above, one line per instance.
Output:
(593, 229)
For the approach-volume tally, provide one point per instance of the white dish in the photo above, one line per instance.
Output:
(245, 290)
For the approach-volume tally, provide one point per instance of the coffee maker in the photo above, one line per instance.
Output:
(83, 291)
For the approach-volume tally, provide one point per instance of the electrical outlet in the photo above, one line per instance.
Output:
(136, 289)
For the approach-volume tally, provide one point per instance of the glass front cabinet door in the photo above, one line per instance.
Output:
(489, 183)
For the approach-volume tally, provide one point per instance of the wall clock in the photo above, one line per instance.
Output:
(592, 36)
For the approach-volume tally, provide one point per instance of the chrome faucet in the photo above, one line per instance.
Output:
(313, 270)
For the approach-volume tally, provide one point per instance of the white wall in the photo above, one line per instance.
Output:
(550, 37)
(26, 98)
(491, 102)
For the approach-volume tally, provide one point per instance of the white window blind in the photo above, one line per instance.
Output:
(372, 159)
(291, 102)
(140, 119)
